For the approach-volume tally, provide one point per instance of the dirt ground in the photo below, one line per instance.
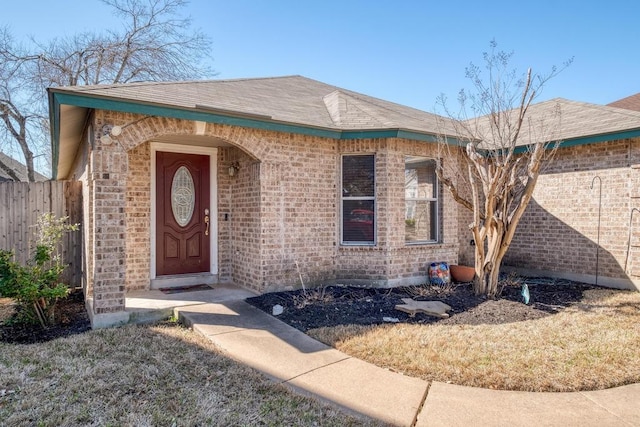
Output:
(343, 305)
(71, 313)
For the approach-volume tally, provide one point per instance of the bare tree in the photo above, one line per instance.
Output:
(15, 99)
(155, 43)
(506, 143)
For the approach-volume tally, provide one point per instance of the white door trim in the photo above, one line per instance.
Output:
(212, 152)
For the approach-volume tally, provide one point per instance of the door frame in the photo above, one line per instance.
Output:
(212, 152)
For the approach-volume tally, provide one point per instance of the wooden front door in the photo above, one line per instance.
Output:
(182, 213)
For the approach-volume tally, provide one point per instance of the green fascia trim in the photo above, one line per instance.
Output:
(388, 133)
(162, 111)
(592, 139)
(155, 110)
(56, 99)
(421, 136)
(601, 138)
(368, 134)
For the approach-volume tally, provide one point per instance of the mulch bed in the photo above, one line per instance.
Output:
(72, 316)
(347, 305)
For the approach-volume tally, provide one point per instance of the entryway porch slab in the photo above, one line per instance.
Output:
(153, 305)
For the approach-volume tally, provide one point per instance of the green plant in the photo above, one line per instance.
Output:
(36, 286)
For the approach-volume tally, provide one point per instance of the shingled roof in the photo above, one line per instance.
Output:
(630, 102)
(301, 105)
(571, 122)
(290, 99)
(18, 168)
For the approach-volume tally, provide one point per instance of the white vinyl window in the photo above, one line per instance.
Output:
(421, 200)
(358, 200)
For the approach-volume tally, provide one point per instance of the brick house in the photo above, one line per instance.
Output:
(262, 181)
(583, 221)
(18, 170)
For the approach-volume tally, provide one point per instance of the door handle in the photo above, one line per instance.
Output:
(206, 221)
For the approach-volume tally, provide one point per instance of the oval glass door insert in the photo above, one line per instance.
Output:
(183, 196)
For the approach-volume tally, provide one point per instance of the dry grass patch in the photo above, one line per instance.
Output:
(592, 345)
(160, 375)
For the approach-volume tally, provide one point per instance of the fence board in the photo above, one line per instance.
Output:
(21, 205)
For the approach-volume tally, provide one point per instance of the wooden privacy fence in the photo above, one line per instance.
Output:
(21, 203)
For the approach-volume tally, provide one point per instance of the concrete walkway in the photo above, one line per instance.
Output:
(290, 357)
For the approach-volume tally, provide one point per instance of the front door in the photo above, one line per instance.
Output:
(183, 213)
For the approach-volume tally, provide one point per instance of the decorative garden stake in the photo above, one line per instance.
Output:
(525, 294)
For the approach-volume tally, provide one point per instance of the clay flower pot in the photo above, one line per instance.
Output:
(462, 273)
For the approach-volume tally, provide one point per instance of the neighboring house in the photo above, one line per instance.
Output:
(583, 221)
(19, 169)
(630, 102)
(260, 182)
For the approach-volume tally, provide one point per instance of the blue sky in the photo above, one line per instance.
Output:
(407, 52)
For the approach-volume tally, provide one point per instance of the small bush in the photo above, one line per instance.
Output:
(36, 286)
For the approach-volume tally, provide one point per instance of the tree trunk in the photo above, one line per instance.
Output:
(488, 258)
(487, 279)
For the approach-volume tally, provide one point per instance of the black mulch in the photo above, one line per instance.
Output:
(343, 305)
(71, 314)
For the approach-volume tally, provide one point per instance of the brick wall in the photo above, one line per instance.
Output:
(138, 218)
(108, 167)
(278, 217)
(559, 231)
(299, 211)
(245, 240)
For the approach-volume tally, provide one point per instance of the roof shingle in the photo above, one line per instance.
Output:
(630, 102)
(289, 99)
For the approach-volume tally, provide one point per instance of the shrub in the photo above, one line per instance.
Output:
(36, 286)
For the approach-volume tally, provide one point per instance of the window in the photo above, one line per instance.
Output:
(358, 199)
(421, 200)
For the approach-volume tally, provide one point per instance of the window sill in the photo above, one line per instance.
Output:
(422, 243)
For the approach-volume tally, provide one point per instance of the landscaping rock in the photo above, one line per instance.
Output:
(431, 308)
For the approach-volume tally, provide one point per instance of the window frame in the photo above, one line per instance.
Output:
(372, 198)
(435, 198)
